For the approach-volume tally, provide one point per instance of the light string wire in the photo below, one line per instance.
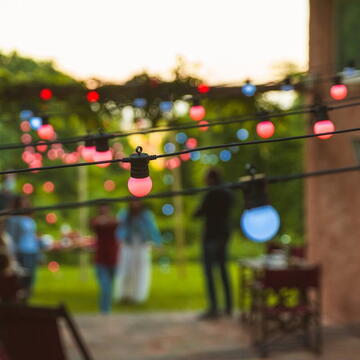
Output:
(190, 125)
(186, 151)
(185, 192)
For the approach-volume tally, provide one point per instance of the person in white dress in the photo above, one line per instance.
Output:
(137, 229)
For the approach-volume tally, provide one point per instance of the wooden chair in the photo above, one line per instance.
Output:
(34, 333)
(284, 302)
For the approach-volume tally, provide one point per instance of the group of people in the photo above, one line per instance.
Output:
(123, 248)
(123, 253)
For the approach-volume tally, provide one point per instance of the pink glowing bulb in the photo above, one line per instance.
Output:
(140, 187)
(203, 128)
(102, 156)
(324, 126)
(338, 91)
(197, 112)
(46, 132)
(265, 129)
(42, 147)
(88, 152)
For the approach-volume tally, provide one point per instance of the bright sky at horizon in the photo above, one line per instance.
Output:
(229, 40)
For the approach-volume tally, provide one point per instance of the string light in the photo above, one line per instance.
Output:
(265, 128)
(248, 88)
(203, 88)
(322, 123)
(338, 90)
(102, 151)
(92, 96)
(140, 183)
(45, 94)
(88, 150)
(197, 111)
(35, 122)
(46, 130)
(259, 221)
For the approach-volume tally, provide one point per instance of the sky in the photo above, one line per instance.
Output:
(225, 41)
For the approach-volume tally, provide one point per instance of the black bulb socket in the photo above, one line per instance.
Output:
(139, 165)
(102, 144)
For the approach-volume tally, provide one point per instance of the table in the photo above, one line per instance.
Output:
(251, 269)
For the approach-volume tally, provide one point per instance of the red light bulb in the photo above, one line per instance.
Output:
(197, 112)
(92, 96)
(88, 150)
(140, 187)
(324, 126)
(338, 91)
(265, 129)
(88, 153)
(46, 132)
(102, 156)
(46, 94)
(42, 147)
(203, 128)
(203, 88)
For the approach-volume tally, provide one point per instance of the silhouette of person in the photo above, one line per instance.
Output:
(215, 209)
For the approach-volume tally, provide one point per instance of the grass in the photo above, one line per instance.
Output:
(171, 290)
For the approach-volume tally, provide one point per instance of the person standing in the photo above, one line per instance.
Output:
(215, 209)
(106, 254)
(137, 228)
(25, 243)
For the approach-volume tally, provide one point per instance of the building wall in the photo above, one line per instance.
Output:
(332, 202)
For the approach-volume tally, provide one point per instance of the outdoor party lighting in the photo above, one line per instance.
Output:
(139, 183)
(92, 96)
(248, 88)
(260, 221)
(287, 84)
(265, 128)
(197, 111)
(35, 122)
(45, 94)
(88, 150)
(338, 90)
(102, 151)
(322, 124)
(46, 130)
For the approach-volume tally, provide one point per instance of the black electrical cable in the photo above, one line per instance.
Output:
(186, 192)
(186, 151)
(209, 123)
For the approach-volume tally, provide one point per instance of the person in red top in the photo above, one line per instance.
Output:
(106, 253)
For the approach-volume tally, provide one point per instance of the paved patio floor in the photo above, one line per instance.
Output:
(179, 336)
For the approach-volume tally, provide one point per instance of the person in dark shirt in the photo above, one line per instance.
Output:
(106, 253)
(215, 209)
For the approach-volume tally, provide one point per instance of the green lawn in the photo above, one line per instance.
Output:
(170, 290)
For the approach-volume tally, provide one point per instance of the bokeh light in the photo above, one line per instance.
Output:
(203, 128)
(169, 147)
(181, 137)
(191, 143)
(46, 94)
(35, 122)
(242, 134)
(168, 179)
(25, 115)
(25, 126)
(51, 218)
(92, 96)
(109, 185)
(225, 155)
(49, 187)
(195, 155)
(27, 188)
(168, 209)
(53, 266)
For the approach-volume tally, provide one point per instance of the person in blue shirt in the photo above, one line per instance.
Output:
(137, 229)
(25, 242)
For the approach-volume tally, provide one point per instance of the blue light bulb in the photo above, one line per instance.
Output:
(242, 134)
(25, 115)
(225, 155)
(168, 209)
(260, 224)
(181, 138)
(169, 147)
(166, 106)
(139, 102)
(35, 122)
(195, 155)
(248, 89)
(287, 87)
